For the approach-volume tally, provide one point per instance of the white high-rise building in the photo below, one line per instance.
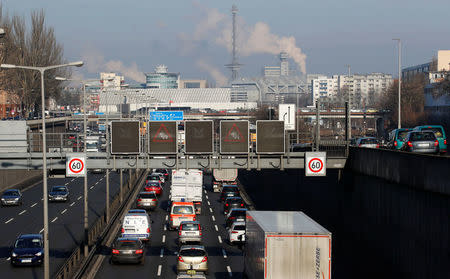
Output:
(111, 81)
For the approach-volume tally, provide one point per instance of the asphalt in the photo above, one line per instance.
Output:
(66, 229)
(224, 260)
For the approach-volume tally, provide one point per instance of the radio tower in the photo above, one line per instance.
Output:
(234, 66)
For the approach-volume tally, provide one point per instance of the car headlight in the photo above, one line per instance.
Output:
(14, 254)
(38, 254)
(3, 199)
(16, 199)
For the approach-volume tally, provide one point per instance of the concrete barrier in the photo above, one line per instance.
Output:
(18, 178)
(421, 171)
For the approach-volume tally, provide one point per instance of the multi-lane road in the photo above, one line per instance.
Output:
(224, 260)
(66, 229)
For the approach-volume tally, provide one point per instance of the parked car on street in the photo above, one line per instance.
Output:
(11, 197)
(421, 142)
(59, 193)
(128, 250)
(28, 250)
(192, 257)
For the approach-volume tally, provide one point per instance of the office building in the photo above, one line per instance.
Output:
(162, 79)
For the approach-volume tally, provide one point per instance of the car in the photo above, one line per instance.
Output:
(165, 172)
(421, 142)
(11, 197)
(396, 138)
(153, 177)
(161, 177)
(136, 225)
(189, 231)
(191, 274)
(232, 202)
(439, 132)
(236, 232)
(192, 257)
(181, 211)
(128, 250)
(236, 214)
(59, 193)
(229, 191)
(28, 249)
(368, 142)
(153, 186)
(147, 200)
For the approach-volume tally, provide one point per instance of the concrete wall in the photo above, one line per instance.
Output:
(18, 178)
(430, 173)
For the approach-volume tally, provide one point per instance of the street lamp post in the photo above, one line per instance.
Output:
(44, 152)
(399, 125)
(86, 211)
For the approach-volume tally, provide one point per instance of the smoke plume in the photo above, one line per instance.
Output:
(217, 75)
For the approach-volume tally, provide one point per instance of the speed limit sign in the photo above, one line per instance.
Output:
(315, 163)
(75, 165)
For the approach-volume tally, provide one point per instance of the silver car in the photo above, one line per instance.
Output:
(189, 231)
(147, 200)
(421, 142)
(11, 197)
(192, 257)
(368, 142)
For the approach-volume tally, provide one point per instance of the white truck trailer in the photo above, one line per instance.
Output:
(223, 177)
(286, 244)
(187, 185)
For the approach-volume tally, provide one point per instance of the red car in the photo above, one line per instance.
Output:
(153, 186)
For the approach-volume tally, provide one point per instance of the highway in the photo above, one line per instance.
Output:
(65, 221)
(224, 260)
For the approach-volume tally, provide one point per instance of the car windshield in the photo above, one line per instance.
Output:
(230, 189)
(238, 213)
(11, 193)
(152, 184)
(402, 135)
(147, 196)
(369, 141)
(91, 145)
(59, 189)
(183, 209)
(153, 177)
(425, 136)
(28, 243)
(189, 227)
(437, 131)
(192, 253)
(127, 244)
(234, 201)
(239, 228)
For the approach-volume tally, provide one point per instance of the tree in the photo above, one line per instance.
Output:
(36, 46)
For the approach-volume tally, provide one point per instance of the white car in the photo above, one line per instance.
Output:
(236, 229)
(137, 224)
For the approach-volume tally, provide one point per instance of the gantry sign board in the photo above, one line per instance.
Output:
(199, 137)
(286, 113)
(75, 165)
(166, 115)
(270, 137)
(234, 137)
(163, 137)
(315, 163)
(125, 137)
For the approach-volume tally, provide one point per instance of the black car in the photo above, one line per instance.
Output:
(165, 172)
(232, 202)
(28, 250)
(127, 250)
(229, 191)
(235, 214)
(11, 197)
(59, 193)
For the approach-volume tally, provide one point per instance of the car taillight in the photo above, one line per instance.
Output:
(179, 232)
(139, 200)
(409, 144)
(199, 229)
(166, 174)
(205, 259)
(148, 230)
(234, 232)
(226, 204)
(395, 143)
(180, 259)
(231, 218)
(359, 145)
(139, 251)
(194, 218)
(171, 218)
(436, 143)
(123, 230)
(242, 204)
(445, 142)
(115, 252)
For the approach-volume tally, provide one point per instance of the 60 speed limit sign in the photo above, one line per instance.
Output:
(75, 165)
(315, 163)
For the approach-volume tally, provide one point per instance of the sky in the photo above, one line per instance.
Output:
(194, 37)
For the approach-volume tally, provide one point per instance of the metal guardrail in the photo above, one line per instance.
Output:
(73, 263)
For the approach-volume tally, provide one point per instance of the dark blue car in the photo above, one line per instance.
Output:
(28, 250)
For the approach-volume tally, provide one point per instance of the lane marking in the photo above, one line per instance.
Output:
(72, 180)
(67, 183)
(209, 203)
(205, 191)
(34, 204)
(210, 209)
(8, 258)
(72, 204)
(23, 212)
(42, 199)
(207, 197)
(165, 228)
(224, 253)
(229, 271)
(167, 217)
(220, 239)
(64, 211)
(159, 270)
(96, 183)
(56, 218)
(213, 218)
(164, 239)
(91, 187)
(9, 220)
(217, 229)
(41, 230)
(79, 198)
(162, 253)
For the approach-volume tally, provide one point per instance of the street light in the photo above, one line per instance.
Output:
(44, 151)
(399, 81)
(86, 217)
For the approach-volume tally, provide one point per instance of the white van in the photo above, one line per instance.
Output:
(136, 225)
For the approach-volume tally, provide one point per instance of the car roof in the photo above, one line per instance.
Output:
(31, 235)
(137, 211)
(11, 190)
(140, 214)
(59, 186)
(230, 185)
(187, 247)
(234, 198)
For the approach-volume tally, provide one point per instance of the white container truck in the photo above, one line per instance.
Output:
(187, 185)
(223, 177)
(286, 244)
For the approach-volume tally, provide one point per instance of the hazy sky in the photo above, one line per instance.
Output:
(193, 37)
